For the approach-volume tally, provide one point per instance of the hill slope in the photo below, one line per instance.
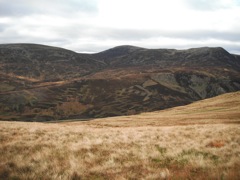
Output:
(44, 63)
(196, 145)
(134, 56)
(222, 109)
(40, 83)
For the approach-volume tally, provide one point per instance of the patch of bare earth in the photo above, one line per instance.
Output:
(198, 141)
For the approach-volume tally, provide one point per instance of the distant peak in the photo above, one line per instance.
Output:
(208, 49)
(125, 47)
(117, 51)
(30, 46)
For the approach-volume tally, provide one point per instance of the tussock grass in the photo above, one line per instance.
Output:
(148, 146)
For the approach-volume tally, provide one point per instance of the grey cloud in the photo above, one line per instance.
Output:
(83, 5)
(81, 32)
(233, 49)
(204, 35)
(205, 5)
(146, 36)
(11, 34)
(67, 8)
(125, 34)
(13, 9)
(57, 7)
(74, 36)
(2, 27)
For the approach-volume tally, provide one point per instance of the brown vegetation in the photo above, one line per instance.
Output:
(36, 81)
(198, 141)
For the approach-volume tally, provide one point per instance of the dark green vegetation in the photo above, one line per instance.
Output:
(40, 83)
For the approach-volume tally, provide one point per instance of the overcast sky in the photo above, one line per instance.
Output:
(96, 25)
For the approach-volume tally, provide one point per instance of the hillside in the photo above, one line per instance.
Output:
(44, 63)
(41, 83)
(189, 142)
(223, 109)
(125, 56)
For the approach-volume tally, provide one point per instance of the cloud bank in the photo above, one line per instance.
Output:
(95, 25)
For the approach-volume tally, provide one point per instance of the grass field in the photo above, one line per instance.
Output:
(198, 141)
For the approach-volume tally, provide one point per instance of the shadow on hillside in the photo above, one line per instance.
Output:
(69, 120)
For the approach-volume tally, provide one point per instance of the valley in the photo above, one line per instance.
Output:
(44, 83)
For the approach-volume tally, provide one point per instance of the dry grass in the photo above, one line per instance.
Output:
(181, 143)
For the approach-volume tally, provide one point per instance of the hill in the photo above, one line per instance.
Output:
(41, 83)
(222, 109)
(189, 142)
(44, 63)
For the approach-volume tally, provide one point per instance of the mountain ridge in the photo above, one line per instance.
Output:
(40, 83)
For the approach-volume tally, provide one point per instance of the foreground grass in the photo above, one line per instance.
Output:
(149, 146)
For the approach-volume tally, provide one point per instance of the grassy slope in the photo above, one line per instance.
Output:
(195, 141)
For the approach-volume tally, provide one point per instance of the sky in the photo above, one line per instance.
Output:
(96, 25)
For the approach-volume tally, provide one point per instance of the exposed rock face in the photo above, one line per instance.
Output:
(168, 80)
(40, 83)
